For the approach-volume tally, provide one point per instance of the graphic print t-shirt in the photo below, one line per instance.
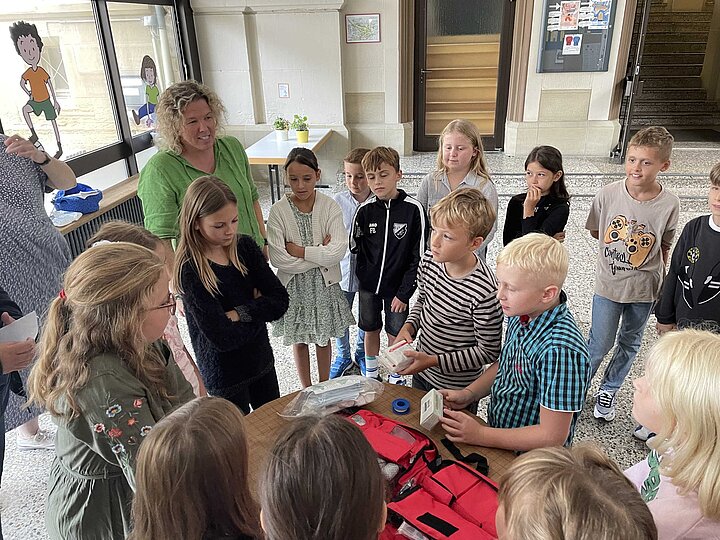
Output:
(631, 233)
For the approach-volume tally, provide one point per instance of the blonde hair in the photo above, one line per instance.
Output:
(172, 104)
(715, 175)
(683, 372)
(373, 160)
(577, 493)
(122, 231)
(539, 255)
(192, 476)
(654, 137)
(322, 482)
(477, 164)
(205, 196)
(467, 208)
(356, 155)
(107, 290)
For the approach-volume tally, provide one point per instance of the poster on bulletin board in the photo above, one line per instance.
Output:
(576, 36)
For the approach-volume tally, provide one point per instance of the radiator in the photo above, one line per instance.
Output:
(130, 210)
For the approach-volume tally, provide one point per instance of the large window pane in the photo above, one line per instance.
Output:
(72, 59)
(147, 55)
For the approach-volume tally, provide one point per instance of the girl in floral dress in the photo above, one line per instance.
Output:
(106, 380)
(308, 240)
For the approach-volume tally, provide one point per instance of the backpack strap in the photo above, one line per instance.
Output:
(480, 461)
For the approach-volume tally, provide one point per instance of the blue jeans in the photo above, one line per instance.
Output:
(607, 315)
(343, 344)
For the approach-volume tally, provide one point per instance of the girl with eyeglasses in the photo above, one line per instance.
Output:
(106, 379)
(122, 231)
(230, 294)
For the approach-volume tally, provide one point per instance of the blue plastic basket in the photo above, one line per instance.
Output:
(69, 200)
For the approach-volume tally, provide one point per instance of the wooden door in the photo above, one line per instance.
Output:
(458, 71)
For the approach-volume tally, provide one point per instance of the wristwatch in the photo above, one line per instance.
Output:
(266, 242)
(45, 162)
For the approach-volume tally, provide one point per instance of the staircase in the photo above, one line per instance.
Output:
(672, 93)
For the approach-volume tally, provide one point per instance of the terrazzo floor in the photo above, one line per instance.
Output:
(22, 498)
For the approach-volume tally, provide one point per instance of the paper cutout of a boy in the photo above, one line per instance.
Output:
(35, 81)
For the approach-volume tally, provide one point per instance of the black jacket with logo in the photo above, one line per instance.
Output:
(389, 239)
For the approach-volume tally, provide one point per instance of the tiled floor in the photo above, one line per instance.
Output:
(23, 493)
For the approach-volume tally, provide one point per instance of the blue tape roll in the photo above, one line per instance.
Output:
(401, 406)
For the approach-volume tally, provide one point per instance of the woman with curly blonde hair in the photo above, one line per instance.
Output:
(106, 379)
(678, 399)
(190, 117)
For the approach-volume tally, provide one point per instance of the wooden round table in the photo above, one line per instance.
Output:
(264, 425)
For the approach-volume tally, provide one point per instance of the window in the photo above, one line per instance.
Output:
(94, 54)
(148, 57)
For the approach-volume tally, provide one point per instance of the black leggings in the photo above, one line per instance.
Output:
(254, 394)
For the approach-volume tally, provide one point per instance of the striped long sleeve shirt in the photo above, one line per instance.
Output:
(457, 319)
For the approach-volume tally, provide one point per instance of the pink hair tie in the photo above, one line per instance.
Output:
(62, 294)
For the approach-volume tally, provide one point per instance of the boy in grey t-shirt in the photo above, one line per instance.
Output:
(634, 221)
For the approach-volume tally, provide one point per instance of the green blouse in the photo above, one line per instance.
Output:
(167, 176)
(92, 478)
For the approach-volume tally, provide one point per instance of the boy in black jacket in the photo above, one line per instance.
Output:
(389, 235)
(690, 296)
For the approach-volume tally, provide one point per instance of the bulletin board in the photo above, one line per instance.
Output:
(576, 35)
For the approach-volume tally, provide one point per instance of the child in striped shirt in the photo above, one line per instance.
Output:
(537, 388)
(456, 321)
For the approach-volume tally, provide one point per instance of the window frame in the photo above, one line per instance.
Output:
(128, 145)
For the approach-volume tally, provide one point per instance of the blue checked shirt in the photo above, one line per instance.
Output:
(543, 362)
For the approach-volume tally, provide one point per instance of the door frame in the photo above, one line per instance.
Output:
(425, 143)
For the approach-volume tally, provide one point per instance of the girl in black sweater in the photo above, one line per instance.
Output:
(230, 294)
(545, 207)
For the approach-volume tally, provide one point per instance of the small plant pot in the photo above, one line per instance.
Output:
(302, 136)
(281, 135)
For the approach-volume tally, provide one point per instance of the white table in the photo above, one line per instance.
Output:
(273, 153)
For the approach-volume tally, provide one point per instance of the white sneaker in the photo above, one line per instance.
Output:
(644, 434)
(42, 440)
(604, 406)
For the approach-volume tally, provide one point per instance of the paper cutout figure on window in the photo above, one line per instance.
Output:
(148, 73)
(36, 82)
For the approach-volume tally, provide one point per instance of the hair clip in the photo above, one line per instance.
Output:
(61, 294)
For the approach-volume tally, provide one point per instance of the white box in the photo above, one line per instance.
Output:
(393, 358)
(431, 409)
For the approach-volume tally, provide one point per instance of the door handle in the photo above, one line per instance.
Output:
(423, 74)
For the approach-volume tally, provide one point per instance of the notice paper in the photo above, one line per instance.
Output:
(22, 329)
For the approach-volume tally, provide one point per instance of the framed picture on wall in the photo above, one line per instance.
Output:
(362, 28)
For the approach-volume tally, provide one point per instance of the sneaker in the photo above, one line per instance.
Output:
(604, 406)
(361, 365)
(340, 367)
(643, 433)
(42, 440)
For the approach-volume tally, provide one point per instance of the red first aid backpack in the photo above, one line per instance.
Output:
(441, 499)
(455, 502)
(410, 449)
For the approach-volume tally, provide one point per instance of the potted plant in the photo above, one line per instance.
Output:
(281, 126)
(299, 124)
